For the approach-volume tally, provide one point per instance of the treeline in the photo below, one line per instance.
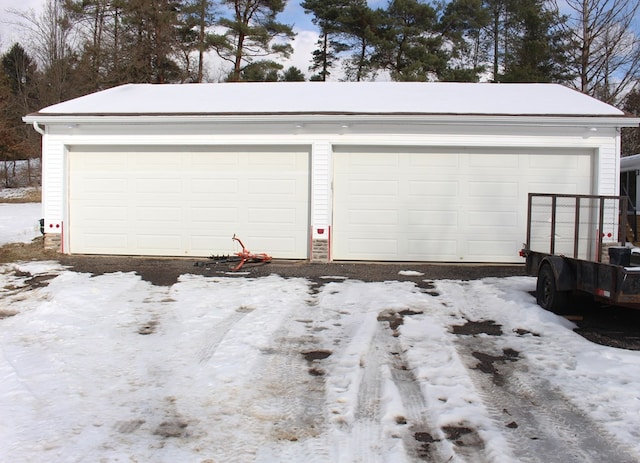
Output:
(74, 47)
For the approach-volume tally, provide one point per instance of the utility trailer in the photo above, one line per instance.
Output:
(577, 244)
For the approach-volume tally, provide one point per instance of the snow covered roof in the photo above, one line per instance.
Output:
(379, 98)
(629, 163)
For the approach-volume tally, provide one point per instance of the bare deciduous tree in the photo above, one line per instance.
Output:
(51, 35)
(607, 46)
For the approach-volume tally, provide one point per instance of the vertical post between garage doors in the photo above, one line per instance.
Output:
(320, 202)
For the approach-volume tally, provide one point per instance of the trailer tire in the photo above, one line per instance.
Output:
(547, 295)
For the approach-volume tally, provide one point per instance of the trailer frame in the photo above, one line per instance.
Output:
(609, 277)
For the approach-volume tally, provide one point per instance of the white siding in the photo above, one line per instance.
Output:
(320, 137)
(53, 184)
(321, 190)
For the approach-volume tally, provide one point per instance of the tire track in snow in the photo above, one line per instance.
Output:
(278, 411)
(421, 438)
(385, 358)
(541, 424)
(289, 392)
(215, 337)
(366, 427)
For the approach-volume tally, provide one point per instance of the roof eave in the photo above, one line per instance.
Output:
(422, 118)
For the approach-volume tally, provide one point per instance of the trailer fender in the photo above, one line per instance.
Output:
(564, 274)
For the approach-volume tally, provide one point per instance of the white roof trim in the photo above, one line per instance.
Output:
(332, 99)
(487, 120)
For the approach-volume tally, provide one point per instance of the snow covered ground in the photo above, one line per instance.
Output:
(228, 368)
(19, 223)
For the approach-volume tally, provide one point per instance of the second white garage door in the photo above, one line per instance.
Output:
(447, 205)
(172, 201)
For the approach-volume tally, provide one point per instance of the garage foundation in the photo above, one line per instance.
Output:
(320, 251)
(52, 241)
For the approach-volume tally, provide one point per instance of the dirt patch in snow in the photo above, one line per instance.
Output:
(471, 328)
(34, 250)
(487, 363)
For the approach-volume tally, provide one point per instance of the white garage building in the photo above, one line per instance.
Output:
(320, 171)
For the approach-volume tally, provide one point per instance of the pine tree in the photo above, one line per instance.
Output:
(360, 27)
(150, 32)
(327, 15)
(261, 71)
(461, 25)
(198, 17)
(538, 51)
(408, 45)
(292, 74)
(18, 96)
(252, 33)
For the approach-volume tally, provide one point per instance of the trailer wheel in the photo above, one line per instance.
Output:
(547, 295)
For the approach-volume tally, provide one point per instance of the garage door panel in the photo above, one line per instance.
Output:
(149, 242)
(368, 162)
(211, 216)
(559, 187)
(176, 202)
(209, 186)
(275, 245)
(496, 189)
(373, 187)
(361, 248)
(429, 189)
(100, 184)
(276, 216)
(281, 160)
(493, 219)
(104, 164)
(103, 242)
(493, 161)
(493, 249)
(461, 204)
(159, 213)
(145, 163)
(554, 162)
(377, 217)
(106, 214)
(272, 187)
(161, 186)
(435, 160)
(429, 249)
(432, 219)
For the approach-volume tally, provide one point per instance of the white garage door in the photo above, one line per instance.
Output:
(449, 205)
(188, 201)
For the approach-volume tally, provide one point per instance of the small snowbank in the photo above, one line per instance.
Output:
(16, 193)
(410, 273)
(19, 223)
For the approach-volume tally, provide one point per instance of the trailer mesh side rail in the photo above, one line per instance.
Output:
(575, 225)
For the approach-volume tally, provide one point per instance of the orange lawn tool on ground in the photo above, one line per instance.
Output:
(242, 257)
(247, 256)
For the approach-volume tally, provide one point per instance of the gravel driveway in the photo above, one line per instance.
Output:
(165, 271)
